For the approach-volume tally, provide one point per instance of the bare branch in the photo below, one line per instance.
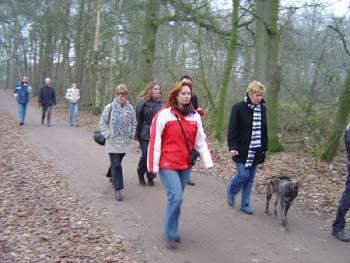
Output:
(342, 37)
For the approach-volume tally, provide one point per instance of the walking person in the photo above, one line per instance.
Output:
(148, 104)
(247, 142)
(21, 93)
(118, 125)
(175, 131)
(73, 96)
(194, 102)
(338, 226)
(47, 98)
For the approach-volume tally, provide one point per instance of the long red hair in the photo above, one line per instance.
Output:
(175, 90)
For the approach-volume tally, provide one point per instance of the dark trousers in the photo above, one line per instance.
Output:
(45, 109)
(344, 205)
(116, 170)
(142, 167)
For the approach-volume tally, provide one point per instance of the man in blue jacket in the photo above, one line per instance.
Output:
(21, 93)
(344, 203)
(47, 98)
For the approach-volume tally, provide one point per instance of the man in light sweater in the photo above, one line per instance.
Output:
(73, 95)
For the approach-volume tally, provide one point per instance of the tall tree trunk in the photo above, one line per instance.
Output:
(96, 66)
(218, 117)
(148, 42)
(78, 60)
(340, 122)
(266, 63)
(48, 45)
(209, 96)
(115, 55)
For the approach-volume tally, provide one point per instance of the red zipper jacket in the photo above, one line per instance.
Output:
(167, 147)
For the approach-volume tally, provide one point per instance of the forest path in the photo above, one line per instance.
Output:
(210, 230)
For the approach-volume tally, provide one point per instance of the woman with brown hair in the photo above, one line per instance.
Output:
(148, 104)
(175, 131)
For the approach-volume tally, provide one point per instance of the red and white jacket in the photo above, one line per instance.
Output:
(167, 146)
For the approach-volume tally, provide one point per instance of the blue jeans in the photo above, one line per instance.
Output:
(21, 111)
(344, 205)
(243, 180)
(174, 182)
(116, 170)
(73, 113)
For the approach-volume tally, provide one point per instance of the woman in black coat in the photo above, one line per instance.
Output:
(247, 142)
(148, 104)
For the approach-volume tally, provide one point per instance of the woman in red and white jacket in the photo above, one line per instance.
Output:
(168, 152)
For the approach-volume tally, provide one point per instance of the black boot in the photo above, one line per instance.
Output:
(142, 180)
(191, 183)
(150, 181)
(341, 235)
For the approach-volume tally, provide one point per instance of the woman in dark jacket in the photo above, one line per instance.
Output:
(344, 203)
(247, 142)
(148, 104)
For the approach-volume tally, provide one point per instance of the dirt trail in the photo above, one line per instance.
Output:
(210, 231)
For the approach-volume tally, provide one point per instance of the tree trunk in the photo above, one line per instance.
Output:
(96, 66)
(266, 63)
(340, 122)
(148, 42)
(115, 55)
(78, 60)
(218, 117)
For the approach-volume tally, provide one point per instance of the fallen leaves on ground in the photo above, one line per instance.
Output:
(41, 219)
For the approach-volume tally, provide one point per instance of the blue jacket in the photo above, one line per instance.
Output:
(21, 93)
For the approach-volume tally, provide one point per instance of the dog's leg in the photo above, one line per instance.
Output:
(268, 197)
(276, 202)
(284, 210)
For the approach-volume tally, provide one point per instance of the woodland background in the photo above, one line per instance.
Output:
(300, 52)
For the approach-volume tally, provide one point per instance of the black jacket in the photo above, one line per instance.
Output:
(47, 96)
(194, 102)
(240, 132)
(145, 112)
(347, 140)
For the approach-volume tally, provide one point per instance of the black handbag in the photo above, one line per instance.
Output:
(98, 137)
(194, 154)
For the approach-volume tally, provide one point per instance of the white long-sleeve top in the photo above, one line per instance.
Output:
(72, 95)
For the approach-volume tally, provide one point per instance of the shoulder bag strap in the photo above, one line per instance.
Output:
(183, 132)
(109, 114)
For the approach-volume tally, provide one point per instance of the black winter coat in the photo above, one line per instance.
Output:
(240, 132)
(194, 102)
(347, 140)
(145, 112)
(47, 96)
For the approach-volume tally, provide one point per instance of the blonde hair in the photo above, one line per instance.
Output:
(121, 89)
(255, 87)
(146, 93)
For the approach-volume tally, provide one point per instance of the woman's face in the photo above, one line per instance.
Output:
(121, 98)
(156, 92)
(184, 95)
(255, 98)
